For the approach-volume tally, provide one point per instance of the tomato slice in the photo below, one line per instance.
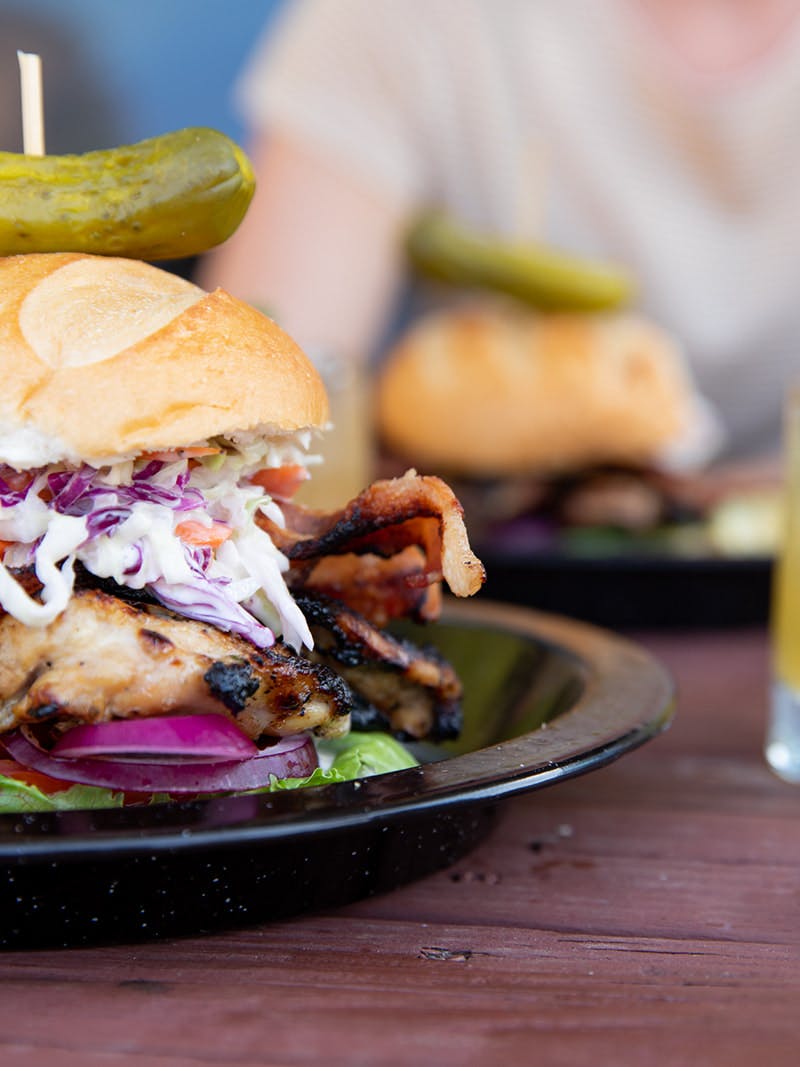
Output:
(9, 768)
(281, 482)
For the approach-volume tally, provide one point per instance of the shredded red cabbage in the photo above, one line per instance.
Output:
(205, 601)
(104, 507)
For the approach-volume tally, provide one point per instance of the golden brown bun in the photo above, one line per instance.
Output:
(101, 357)
(496, 389)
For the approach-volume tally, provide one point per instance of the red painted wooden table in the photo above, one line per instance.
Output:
(647, 913)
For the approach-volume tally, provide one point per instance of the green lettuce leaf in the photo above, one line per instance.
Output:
(355, 756)
(18, 797)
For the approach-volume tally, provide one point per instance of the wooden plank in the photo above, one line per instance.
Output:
(647, 913)
(352, 988)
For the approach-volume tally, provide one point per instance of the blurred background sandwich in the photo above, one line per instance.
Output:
(586, 422)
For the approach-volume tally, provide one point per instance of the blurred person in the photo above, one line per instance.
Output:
(658, 134)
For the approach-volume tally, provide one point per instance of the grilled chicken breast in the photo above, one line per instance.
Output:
(104, 658)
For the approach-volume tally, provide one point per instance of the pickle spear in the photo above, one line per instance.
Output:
(533, 273)
(170, 196)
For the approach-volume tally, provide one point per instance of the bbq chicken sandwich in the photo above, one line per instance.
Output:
(580, 419)
(170, 621)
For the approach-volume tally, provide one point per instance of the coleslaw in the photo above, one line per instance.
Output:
(180, 524)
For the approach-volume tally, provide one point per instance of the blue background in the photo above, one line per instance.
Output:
(160, 64)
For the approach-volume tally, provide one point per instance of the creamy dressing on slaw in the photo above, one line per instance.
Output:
(119, 521)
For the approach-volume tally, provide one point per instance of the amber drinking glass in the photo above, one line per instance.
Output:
(782, 746)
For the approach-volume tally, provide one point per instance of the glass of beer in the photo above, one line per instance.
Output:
(782, 746)
(346, 448)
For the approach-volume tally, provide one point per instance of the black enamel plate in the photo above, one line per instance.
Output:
(546, 699)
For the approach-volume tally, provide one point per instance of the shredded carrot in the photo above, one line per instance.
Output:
(192, 532)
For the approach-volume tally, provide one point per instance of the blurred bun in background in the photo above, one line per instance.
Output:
(578, 420)
(493, 388)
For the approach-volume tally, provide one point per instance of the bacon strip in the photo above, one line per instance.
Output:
(379, 589)
(384, 519)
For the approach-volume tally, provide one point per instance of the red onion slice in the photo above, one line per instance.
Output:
(291, 757)
(202, 738)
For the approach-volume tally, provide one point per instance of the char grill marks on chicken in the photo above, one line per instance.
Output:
(410, 690)
(106, 658)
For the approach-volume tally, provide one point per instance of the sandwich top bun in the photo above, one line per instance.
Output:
(495, 389)
(103, 357)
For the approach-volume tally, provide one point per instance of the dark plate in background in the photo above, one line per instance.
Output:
(127, 874)
(634, 591)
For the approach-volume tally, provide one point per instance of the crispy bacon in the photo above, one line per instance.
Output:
(379, 589)
(385, 519)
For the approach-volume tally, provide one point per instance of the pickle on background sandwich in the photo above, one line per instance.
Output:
(171, 622)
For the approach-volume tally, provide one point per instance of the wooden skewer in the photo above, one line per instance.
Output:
(30, 73)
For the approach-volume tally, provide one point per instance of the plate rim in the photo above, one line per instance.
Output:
(600, 726)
